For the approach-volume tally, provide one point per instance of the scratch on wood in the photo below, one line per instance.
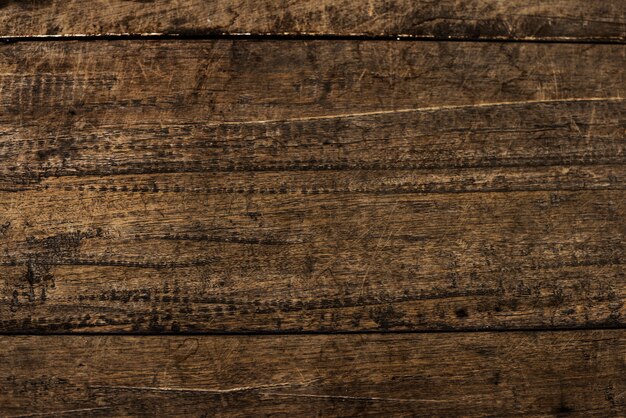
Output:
(210, 391)
(422, 109)
(358, 398)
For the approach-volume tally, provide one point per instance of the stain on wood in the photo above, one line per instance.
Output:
(562, 20)
(477, 374)
(205, 186)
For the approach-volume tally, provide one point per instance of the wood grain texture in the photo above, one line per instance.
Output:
(562, 20)
(578, 373)
(127, 107)
(176, 187)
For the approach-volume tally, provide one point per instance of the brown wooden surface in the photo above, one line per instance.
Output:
(208, 186)
(580, 373)
(562, 20)
(332, 222)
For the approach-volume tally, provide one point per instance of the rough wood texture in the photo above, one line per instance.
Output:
(478, 374)
(209, 186)
(314, 187)
(563, 20)
(444, 186)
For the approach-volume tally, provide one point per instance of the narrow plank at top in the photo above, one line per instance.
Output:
(562, 20)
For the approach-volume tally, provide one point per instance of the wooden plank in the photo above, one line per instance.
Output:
(174, 187)
(434, 140)
(207, 82)
(563, 20)
(578, 373)
(128, 107)
(192, 261)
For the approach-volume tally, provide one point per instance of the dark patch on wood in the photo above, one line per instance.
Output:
(28, 5)
(461, 313)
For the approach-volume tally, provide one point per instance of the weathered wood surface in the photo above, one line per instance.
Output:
(563, 20)
(75, 108)
(209, 186)
(581, 373)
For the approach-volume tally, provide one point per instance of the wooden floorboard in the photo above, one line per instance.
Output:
(162, 261)
(561, 20)
(191, 85)
(579, 373)
(207, 186)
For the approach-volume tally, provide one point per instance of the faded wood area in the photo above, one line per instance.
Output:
(210, 186)
(560, 20)
(579, 373)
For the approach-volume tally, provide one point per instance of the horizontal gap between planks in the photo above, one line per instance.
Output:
(294, 333)
(294, 37)
(333, 192)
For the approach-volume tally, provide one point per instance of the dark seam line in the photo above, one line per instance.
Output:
(297, 333)
(299, 37)
(399, 192)
(41, 177)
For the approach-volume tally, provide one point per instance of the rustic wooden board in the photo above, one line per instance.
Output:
(126, 107)
(578, 373)
(563, 20)
(197, 261)
(207, 186)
